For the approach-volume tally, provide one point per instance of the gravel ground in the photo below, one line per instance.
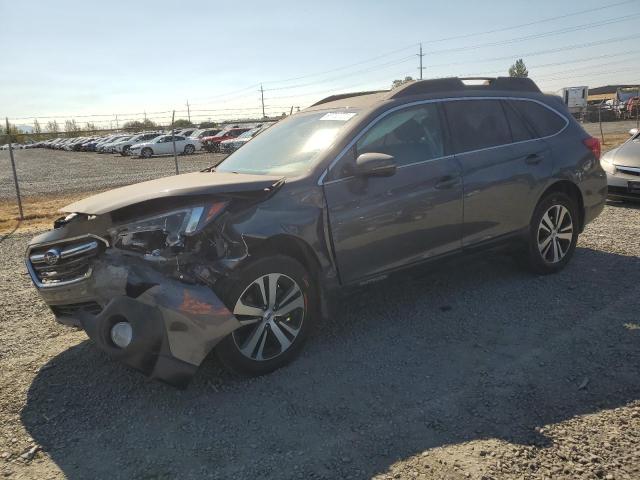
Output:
(45, 172)
(475, 369)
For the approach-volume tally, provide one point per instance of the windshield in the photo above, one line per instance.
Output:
(289, 147)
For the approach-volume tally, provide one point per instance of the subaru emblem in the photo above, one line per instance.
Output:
(52, 256)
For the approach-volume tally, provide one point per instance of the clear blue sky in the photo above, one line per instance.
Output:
(81, 58)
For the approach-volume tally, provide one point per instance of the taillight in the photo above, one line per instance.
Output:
(593, 144)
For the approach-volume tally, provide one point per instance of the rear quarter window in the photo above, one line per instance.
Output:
(544, 121)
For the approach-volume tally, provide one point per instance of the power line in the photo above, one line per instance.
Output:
(536, 22)
(442, 39)
(537, 35)
(543, 52)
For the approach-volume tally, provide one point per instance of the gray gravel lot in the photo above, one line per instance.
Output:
(45, 172)
(474, 369)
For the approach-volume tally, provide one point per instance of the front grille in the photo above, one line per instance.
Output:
(72, 309)
(628, 170)
(64, 263)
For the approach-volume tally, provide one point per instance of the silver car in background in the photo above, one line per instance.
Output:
(622, 165)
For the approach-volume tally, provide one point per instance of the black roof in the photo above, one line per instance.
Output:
(434, 86)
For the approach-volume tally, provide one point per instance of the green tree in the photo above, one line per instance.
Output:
(53, 127)
(71, 128)
(12, 135)
(518, 69)
(208, 125)
(138, 126)
(182, 123)
(37, 129)
(399, 83)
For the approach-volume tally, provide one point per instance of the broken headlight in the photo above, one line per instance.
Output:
(164, 231)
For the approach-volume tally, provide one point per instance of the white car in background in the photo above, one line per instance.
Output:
(163, 145)
(232, 144)
(122, 146)
(107, 147)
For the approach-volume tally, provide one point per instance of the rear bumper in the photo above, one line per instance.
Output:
(175, 325)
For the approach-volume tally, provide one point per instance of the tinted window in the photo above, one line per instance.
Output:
(477, 124)
(411, 135)
(520, 131)
(544, 121)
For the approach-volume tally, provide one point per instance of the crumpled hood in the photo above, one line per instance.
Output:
(197, 183)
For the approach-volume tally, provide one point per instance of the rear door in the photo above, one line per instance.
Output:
(503, 165)
(382, 223)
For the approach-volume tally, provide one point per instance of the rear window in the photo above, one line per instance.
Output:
(477, 124)
(544, 121)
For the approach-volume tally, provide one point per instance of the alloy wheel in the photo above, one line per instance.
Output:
(555, 233)
(271, 311)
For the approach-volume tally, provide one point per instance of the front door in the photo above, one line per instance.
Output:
(381, 223)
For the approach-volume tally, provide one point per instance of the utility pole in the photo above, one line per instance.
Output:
(262, 98)
(173, 140)
(188, 112)
(420, 55)
(13, 167)
(638, 108)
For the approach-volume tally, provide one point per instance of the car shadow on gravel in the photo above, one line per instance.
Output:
(471, 350)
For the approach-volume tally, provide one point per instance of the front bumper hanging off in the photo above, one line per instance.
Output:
(174, 324)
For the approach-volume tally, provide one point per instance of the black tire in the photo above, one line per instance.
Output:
(230, 350)
(541, 257)
(189, 149)
(146, 153)
(125, 150)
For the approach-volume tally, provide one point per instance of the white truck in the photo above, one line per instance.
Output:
(575, 98)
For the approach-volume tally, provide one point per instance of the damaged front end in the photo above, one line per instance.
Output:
(141, 280)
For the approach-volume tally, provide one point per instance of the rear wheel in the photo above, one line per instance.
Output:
(146, 152)
(553, 233)
(274, 301)
(125, 150)
(189, 149)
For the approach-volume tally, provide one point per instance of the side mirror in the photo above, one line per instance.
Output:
(633, 132)
(375, 165)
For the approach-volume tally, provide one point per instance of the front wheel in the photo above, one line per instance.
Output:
(553, 233)
(125, 151)
(274, 301)
(189, 149)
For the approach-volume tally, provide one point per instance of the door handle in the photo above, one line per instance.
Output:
(447, 181)
(533, 159)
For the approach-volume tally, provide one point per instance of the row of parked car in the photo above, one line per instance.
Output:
(148, 144)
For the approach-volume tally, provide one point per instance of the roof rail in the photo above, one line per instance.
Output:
(421, 87)
(346, 95)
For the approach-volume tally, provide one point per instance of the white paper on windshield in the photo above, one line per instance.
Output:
(338, 116)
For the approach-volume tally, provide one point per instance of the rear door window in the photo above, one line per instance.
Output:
(520, 130)
(477, 124)
(543, 120)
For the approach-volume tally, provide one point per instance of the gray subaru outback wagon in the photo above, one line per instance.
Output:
(243, 258)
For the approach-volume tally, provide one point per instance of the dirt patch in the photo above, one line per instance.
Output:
(40, 212)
